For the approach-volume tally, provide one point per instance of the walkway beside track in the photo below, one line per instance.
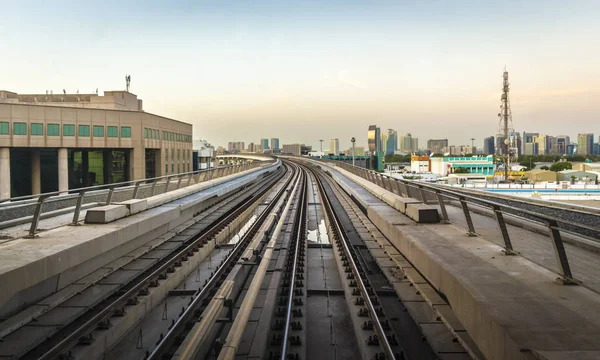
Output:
(512, 307)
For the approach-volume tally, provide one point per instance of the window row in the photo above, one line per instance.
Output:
(166, 135)
(183, 165)
(68, 130)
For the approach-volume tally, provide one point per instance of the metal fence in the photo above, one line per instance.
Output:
(33, 206)
(428, 193)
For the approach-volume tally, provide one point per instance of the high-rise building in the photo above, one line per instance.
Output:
(264, 144)
(235, 146)
(408, 143)
(530, 147)
(488, 146)
(334, 146)
(358, 151)
(585, 144)
(384, 138)
(292, 149)
(438, 146)
(251, 147)
(274, 144)
(562, 142)
(392, 142)
(374, 139)
(542, 145)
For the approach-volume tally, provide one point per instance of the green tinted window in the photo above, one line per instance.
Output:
(37, 129)
(112, 131)
(145, 133)
(84, 130)
(53, 130)
(4, 128)
(98, 131)
(19, 128)
(125, 131)
(68, 130)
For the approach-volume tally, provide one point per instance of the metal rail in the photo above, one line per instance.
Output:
(497, 208)
(180, 325)
(140, 284)
(384, 343)
(301, 216)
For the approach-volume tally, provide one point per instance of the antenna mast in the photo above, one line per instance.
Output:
(127, 82)
(508, 148)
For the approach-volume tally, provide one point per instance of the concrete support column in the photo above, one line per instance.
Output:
(85, 168)
(4, 173)
(63, 170)
(36, 178)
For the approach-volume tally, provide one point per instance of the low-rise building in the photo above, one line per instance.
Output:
(541, 176)
(577, 175)
(78, 140)
(292, 149)
(481, 165)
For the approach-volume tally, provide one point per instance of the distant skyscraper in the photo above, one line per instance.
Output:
(438, 146)
(392, 142)
(384, 138)
(488, 146)
(562, 142)
(334, 146)
(274, 143)
(264, 144)
(374, 139)
(406, 143)
(585, 144)
(251, 147)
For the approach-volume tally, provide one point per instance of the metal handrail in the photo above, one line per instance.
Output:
(497, 208)
(110, 188)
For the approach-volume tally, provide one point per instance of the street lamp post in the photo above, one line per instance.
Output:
(353, 140)
(321, 154)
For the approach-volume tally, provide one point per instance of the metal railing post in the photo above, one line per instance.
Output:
(398, 188)
(109, 197)
(508, 248)
(422, 192)
(136, 190)
(179, 181)
(561, 255)
(465, 209)
(189, 179)
(408, 193)
(153, 187)
(445, 219)
(78, 208)
(36, 216)
(167, 184)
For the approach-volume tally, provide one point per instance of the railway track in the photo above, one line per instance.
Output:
(276, 292)
(72, 320)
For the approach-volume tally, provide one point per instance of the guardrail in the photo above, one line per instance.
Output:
(156, 185)
(412, 189)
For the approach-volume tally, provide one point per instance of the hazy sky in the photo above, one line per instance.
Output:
(310, 70)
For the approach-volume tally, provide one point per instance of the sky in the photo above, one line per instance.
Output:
(308, 70)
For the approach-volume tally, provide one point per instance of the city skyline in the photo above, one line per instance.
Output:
(237, 77)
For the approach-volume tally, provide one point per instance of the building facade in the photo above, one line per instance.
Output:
(392, 142)
(480, 165)
(292, 149)
(274, 144)
(409, 144)
(374, 139)
(585, 144)
(334, 146)
(85, 140)
(488, 146)
(437, 146)
(264, 144)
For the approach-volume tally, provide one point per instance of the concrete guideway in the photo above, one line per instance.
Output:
(512, 308)
(59, 256)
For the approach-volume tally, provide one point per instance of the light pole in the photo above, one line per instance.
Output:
(353, 140)
(321, 154)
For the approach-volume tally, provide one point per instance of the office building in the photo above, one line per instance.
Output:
(79, 140)
(334, 146)
(235, 147)
(357, 151)
(264, 144)
(585, 144)
(274, 144)
(409, 144)
(562, 142)
(530, 147)
(488, 146)
(292, 149)
(374, 139)
(392, 142)
(437, 146)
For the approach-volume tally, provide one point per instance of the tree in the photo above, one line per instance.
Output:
(560, 166)
(544, 168)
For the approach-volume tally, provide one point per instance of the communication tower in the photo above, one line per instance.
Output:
(509, 151)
